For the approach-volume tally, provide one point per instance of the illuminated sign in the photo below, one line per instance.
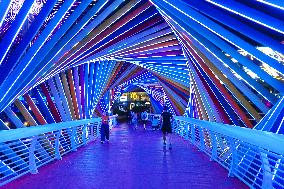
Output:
(123, 98)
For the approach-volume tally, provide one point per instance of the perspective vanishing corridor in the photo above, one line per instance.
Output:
(217, 65)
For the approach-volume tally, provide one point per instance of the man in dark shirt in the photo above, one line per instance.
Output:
(166, 126)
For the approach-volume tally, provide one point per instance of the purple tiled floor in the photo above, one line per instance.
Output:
(133, 159)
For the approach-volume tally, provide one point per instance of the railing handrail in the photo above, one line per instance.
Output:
(263, 139)
(113, 116)
(14, 134)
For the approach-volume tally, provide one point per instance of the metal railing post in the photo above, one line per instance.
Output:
(192, 133)
(98, 129)
(72, 138)
(267, 176)
(202, 145)
(57, 142)
(233, 149)
(84, 134)
(214, 146)
(92, 137)
(32, 162)
(187, 131)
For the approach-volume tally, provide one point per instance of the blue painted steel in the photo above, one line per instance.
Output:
(239, 84)
(62, 42)
(29, 35)
(14, 29)
(211, 46)
(3, 126)
(275, 3)
(222, 100)
(221, 44)
(98, 20)
(229, 36)
(36, 64)
(208, 104)
(96, 67)
(273, 120)
(86, 88)
(237, 25)
(20, 71)
(5, 4)
(142, 17)
(43, 107)
(58, 102)
(90, 86)
(63, 97)
(146, 35)
(13, 117)
(78, 95)
(251, 14)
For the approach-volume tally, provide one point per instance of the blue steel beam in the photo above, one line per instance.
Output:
(14, 29)
(219, 64)
(251, 14)
(69, 35)
(96, 65)
(77, 88)
(212, 47)
(57, 100)
(98, 20)
(90, 86)
(6, 91)
(43, 107)
(269, 120)
(226, 71)
(187, 22)
(86, 88)
(208, 103)
(146, 35)
(219, 59)
(25, 42)
(63, 97)
(68, 41)
(4, 8)
(143, 17)
(35, 65)
(3, 126)
(13, 117)
(236, 25)
(274, 3)
(222, 100)
(227, 35)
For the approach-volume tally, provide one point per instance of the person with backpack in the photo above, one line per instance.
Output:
(105, 128)
(167, 118)
(144, 117)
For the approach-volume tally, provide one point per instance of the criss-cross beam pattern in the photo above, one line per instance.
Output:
(220, 61)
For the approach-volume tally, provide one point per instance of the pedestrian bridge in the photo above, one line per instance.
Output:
(217, 65)
(132, 159)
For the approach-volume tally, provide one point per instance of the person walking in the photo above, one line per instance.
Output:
(135, 120)
(166, 126)
(105, 128)
(144, 117)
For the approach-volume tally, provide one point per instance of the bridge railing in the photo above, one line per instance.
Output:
(24, 150)
(255, 157)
